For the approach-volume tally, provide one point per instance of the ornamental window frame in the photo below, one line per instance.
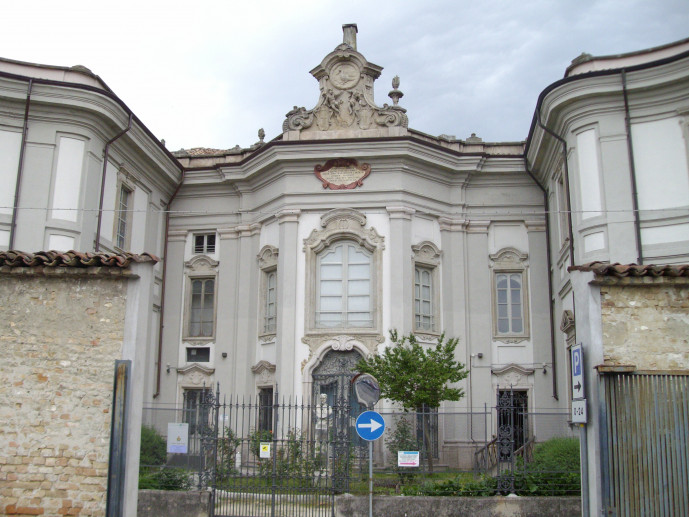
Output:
(510, 261)
(268, 266)
(426, 258)
(200, 268)
(339, 226)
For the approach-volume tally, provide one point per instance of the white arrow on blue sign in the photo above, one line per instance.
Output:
(370, 425)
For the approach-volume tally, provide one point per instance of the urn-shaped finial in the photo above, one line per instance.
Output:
(395, 94)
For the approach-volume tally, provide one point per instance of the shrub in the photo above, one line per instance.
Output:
(227, 453)
(553, 471)
(402, 438)
(153, 450)
(164, 479)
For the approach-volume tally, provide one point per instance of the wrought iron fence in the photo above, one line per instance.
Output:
(269, 456)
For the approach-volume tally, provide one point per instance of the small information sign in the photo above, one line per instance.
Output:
(407, 458)
(265, 450)
(177, 438)
(579, 411)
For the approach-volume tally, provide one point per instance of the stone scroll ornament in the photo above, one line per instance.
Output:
(342, 173)
(345, 79)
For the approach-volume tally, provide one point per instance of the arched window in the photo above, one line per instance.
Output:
(344, 287)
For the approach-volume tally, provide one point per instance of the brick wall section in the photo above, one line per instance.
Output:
(61, 331)
(646, 323)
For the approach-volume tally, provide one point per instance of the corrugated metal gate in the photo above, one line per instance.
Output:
(647, 449)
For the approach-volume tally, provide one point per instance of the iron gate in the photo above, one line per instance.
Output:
(286, 459)
(513, 440)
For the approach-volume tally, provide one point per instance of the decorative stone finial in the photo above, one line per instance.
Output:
(349, 34)
(395, 94)
(261, 135)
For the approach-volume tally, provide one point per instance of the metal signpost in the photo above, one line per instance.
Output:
(370, 424)
(579, 417)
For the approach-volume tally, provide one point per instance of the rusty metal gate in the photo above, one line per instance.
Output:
(647, 445)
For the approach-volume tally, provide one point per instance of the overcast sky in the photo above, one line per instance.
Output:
(211, 73)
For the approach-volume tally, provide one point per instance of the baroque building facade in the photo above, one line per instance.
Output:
(285, 262)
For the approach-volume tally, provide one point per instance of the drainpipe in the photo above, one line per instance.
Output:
(20, 167)
(549, 261)
(632, 169)
(102, 181)
(569, 198)
(162, 289)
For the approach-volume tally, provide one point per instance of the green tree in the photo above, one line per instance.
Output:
(417, 376)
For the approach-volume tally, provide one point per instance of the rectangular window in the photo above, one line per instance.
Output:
(204, 243)
(122, 217)
(196, 411)
(344, 298)
(202, 307)
(423, 298)
(198, 355)
(509, 303)
(265, 409)
(270, 317)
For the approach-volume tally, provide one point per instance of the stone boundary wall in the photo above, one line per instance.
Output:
(646, 324)
(154, 503)
(402, 506)
(61, 330)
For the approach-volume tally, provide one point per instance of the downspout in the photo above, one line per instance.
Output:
(20, 166)
(102, 181)
(162, 289)
(569, 198)
(549, 261)
(632, 169)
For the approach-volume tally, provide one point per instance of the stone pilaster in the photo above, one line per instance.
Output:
(285, 339)
(401, 274)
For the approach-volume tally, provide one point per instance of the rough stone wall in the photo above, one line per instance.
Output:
(60, 334)
(646, 325)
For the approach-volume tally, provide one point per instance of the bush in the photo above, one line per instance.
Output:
(153, 450)
(402, 439)
(227, 452)
(553, 471)
(164, 479)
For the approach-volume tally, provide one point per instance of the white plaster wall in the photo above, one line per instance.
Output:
(589, 174)
(109, 201)
(425, 229)
(10, 143)
(67, 185)
(60, 242)
(503, 235)
(139, 215)
(660, 158)
(269, 234)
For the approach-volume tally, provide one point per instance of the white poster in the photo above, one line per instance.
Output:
(265, 450)
(177, 438)
(407, 458)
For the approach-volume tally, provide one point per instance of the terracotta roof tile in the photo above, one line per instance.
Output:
(633, 270)
(72, 258)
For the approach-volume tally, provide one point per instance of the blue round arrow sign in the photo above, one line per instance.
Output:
(370, 425)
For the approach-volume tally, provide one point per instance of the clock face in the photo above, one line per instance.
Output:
(344, 76)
